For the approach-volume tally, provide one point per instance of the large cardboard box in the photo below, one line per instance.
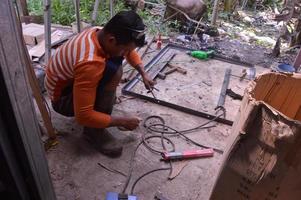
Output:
(264, 158)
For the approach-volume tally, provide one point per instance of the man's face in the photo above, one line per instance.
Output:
(116, 50)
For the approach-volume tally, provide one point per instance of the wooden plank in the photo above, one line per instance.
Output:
(39, 50)
(13, 60)
(33, 33)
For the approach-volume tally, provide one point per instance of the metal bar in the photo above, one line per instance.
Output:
(127, 88)
(214, 13)
(178, 107)
(222, 97)
(47, 29)
(76, 5)
(232, 60)
(112, 8)
(95, 11)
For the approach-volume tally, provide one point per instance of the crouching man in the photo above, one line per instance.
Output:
(83, 74)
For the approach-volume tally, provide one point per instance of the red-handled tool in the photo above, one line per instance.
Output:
(188, 154)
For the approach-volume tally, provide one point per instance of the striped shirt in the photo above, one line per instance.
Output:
(81, 62)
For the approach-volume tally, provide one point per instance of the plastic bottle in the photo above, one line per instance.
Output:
(201, 54)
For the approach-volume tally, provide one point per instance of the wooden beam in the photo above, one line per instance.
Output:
(14, 66)
(24, 7)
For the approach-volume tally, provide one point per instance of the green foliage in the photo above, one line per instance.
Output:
(63, 12)
(35, 7)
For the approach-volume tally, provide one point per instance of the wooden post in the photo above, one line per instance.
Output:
(13, 61)
(47, 28)
(214, 13)
(24, 7)
(76, 5)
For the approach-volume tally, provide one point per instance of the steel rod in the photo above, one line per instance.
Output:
(77, 15)
(95, 11)
(112, 8)
(47, 29)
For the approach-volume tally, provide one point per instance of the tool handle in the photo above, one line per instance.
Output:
(170, 71)
(181, 70)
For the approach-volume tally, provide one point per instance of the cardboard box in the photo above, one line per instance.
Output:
(264, 158)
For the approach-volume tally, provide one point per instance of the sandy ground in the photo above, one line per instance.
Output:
(75, 166)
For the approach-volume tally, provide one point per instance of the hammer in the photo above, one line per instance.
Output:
(174, 68)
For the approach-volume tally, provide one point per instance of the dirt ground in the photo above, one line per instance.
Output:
(76, 168)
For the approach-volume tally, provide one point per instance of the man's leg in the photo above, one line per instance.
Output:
(64, 105)
(105, 98)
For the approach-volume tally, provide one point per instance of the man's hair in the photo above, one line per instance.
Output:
(125, 26)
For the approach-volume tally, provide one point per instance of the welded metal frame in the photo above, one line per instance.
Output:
(128, 87)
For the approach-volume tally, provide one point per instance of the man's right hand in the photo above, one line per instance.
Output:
(129, 123)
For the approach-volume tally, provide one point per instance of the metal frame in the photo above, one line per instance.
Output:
(128, 87)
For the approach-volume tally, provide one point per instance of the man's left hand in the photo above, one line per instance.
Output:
(148, 82)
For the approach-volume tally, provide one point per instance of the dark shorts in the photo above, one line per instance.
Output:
(64, 105)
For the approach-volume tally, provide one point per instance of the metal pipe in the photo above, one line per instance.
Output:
(112, 8)
(76, 5)
(95, 11)
(47, 29)
(214, 13)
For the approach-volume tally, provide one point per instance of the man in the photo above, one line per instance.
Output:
(82, 76)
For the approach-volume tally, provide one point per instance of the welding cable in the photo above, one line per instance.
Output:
(188, 139)
(131, 168)
(164, 129)
(147, 173)
(161, 128)
(152, 127)
(152, 149)
(144, 141)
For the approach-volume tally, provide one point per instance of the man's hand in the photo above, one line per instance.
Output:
(129, 123)
(148, 82)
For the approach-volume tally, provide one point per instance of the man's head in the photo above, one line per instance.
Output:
(124, 32)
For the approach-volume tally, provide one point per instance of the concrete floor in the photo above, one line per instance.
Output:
(74, 166)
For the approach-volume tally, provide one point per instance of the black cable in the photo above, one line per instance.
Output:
(163, 129)
(187, 138)
(147, 173)
(202, 126)
(152, 149)
(131, 168)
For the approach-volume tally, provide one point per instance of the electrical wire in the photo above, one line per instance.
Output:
(162, 130)
(131, 168)
(147, 173)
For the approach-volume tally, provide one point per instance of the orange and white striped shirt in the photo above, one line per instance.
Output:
(81, 62)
